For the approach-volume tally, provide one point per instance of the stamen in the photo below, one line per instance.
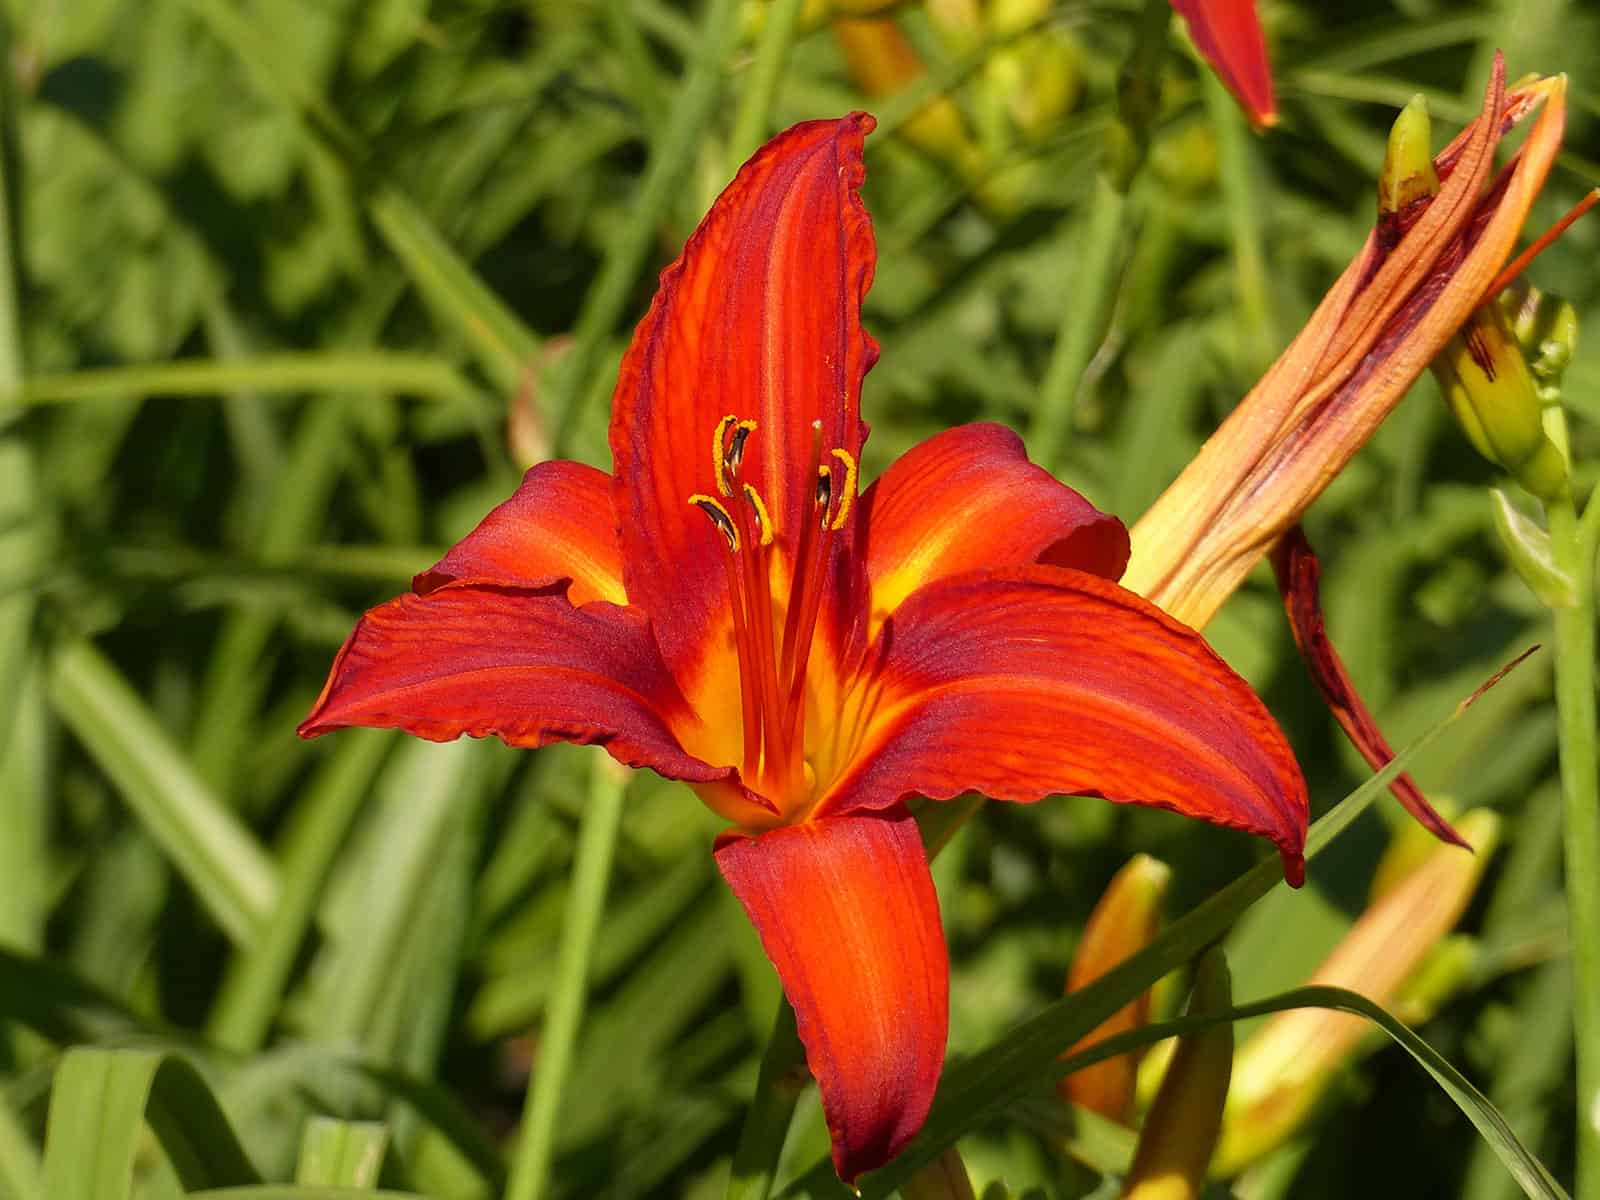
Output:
(847, 493)
(741, 434)
(720, 517)
(759, 508)
(1519, 264)
(824, 492)
(719, 455)
(802, 564)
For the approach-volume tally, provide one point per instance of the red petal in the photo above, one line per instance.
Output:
(1228, 35)
(557, 525)
(1299, 580)
(847, 912)
(759, 317)
(523, 665)
(968, 498)
(1039, 681)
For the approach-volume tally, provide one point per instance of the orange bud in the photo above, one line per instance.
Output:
(882, 61)
(1124, 922)
(945, 1178)
(1388, 316)
(1282, 1071)
(1180, 1131)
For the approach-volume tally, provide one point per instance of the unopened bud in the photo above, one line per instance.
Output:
(959, 24)
(945, 1178)
(1038, 80)
(1409, 847)
(1487, 383)
(1283, 1070)
(1546, 327)
(1408, 177)
(1123, 922)
(1439, 977)
(1180, 1131)
(882, 61)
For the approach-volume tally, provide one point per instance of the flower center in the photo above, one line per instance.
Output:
(772, 669)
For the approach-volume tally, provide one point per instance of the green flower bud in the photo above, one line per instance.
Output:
(1488, 385)
(1546, 327)
(1408, 175)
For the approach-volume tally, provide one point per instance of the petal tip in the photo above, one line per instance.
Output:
(1294, 867)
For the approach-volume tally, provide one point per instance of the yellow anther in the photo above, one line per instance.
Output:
(847, 493)
(720, 517)
(763, 519)
(719, 455)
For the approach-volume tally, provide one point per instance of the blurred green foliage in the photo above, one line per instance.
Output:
(293, 288)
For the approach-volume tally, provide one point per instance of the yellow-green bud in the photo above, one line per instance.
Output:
(1487, 383)
(959, 24)
(1180, 1131)
(1408, 174)
(1546, 327)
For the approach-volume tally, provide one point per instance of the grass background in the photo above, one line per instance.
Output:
(290, 291)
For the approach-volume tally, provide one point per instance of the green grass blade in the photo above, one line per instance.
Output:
(669, 160)
(342, 1153)
(504, 343)
(422, 375)
(421, 795)
(21, 1172)
(280, 1191)
(1531, 1174)
(99, 1104)
(505, 346)
(218, 857)
(590, 877)
(254, 988)
(59, 1005)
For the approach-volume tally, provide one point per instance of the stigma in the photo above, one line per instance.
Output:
(773, 662)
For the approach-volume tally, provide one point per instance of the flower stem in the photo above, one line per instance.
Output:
(1573, 547)
(1241, 195)
(761, 85)
(1083, 320)
(597, 840)
(766, 1125)
(1105, 227)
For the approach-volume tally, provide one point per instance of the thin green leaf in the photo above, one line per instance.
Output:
(342, 1153)
(423, 375)
(99, 1104)
(215, 853)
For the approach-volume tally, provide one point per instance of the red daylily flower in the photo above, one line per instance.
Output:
(1228, 35)
(725, 609)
